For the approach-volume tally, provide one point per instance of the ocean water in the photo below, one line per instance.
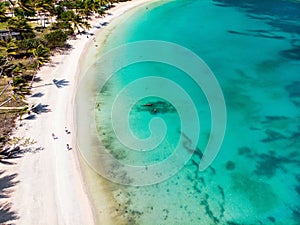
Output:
(253, 49)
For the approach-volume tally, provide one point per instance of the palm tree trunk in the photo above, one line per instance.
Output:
(9, 99)
(5, 88)
(33, 77)
(2, 67)
(13, 108)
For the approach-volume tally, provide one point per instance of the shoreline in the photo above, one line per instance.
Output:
(49, 185)
(99, 189)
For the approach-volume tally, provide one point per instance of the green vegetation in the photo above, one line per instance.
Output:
(30, 30)
(56, 38)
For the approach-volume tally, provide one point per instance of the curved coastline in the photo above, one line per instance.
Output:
(99, 190)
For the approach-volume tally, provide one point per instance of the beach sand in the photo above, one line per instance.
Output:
(47, 186)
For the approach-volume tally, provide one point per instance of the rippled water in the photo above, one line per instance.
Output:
(253, 49)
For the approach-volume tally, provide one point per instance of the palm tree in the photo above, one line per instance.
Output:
(21, 25)
(43, 7)
(5, 88)
(41, 54)
(74, 19)
(12, 47)
(24, 9)
(19, 88)
(3, 10)
(87, 8)
(16, 88)
(4, 61)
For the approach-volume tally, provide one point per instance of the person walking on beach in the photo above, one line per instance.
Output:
(67, 131)
(68, 147)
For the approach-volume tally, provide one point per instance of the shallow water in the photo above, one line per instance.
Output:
(253, 49)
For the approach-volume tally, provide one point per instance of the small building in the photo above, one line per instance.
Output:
(4, 34)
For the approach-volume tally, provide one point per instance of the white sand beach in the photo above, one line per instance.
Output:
(49, 186)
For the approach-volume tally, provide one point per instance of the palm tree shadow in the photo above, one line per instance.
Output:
(40, 108)
(30, 117)
(7, 162)
(10, 153)
(61, 83)
(7, 182)
(64, 51)
(37, 79)
(6, 214)
(37, 95)
(104, 24)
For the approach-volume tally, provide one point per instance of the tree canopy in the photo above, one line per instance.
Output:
(30, 30)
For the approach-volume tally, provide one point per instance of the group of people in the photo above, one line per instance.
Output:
(67, 132)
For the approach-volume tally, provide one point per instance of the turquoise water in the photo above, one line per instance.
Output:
(253, 49)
